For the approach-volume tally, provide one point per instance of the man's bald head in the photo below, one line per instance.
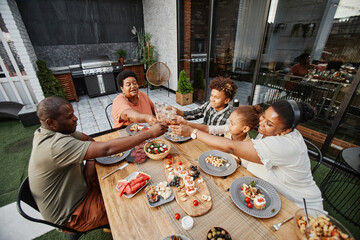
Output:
(49, 107)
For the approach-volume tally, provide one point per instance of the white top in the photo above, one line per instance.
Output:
(287, 168)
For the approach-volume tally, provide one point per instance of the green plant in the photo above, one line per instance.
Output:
(121, 53)
(145, 50)
(184, 85)
(49, 83)
(199, 79)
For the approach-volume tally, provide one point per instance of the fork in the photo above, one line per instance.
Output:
(276, 227)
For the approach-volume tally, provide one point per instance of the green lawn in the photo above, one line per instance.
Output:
(15, 150)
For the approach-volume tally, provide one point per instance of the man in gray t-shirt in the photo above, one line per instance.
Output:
(67, 191)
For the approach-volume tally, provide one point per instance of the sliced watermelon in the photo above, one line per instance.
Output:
(122, 184)
(128, 189)
(135, 185)
(145, 176)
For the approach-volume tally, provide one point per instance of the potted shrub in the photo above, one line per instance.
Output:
(50, 85)
(199, 84)
(145, 50)
(121, 53)
(184, 93)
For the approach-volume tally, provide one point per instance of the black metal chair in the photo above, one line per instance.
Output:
(108, 110)
(25, 195)
(341, 186)
(314, 151)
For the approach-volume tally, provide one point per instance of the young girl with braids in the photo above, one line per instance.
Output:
(278, 154)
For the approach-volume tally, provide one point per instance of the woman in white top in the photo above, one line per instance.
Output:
(278, 154)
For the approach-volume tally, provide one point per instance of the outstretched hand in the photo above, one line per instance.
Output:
(151, 120)
(182, 130)
(158, 129)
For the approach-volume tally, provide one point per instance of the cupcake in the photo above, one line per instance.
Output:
(259, 202)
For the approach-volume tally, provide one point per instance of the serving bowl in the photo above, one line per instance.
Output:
(316, 219)
(159, 156)
(222, 233)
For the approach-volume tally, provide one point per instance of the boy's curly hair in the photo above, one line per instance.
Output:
(224, 84)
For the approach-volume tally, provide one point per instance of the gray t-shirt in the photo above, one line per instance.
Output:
(56, 174)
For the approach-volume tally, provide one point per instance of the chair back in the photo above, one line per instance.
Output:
(315, 152)
(25, 195)
(108, 113)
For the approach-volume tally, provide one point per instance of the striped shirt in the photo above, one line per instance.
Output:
(210, 115)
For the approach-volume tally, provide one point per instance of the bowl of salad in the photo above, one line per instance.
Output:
(157, 149)
(322, 226)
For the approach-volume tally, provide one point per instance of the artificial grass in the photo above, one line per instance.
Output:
(94, 235)
(15, 150)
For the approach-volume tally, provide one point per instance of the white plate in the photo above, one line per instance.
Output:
(127, 129)
(218, 171)
(129, 178)
(271, 196)
(162, 200)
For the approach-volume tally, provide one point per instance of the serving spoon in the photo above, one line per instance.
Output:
(307, 229)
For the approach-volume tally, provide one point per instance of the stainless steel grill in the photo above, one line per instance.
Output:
(98, 73)
(96, 65)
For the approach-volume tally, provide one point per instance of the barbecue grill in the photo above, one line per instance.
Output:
(98, 72)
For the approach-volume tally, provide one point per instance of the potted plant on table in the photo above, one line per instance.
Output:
(184, 93)
(121, 53)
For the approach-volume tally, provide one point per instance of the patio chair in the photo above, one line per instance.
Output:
(341, 186)
(25, 195)
(108, 114)
(314, 151)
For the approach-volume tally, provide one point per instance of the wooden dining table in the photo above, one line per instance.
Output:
(133, 218)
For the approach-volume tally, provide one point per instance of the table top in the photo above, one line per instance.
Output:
(133, 218)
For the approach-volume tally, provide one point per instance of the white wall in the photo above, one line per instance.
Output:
(24, 48)
(160, 22)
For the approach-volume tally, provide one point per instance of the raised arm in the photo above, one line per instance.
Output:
(101, 149)
(242, 149)
(135, 116)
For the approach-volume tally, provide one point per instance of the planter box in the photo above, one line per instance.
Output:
(184, 99)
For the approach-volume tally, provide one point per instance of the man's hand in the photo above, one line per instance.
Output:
(151, 120)
(182, 130)
(158, 129)
(90, 173)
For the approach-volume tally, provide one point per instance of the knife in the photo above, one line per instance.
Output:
(115, 170)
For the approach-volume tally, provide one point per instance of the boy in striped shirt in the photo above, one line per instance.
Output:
(216, 111)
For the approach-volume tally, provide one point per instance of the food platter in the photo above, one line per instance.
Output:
(127, 129)
(162, 200)
(184, 200)
(129, 178)
(176, 138)
(226, 170)
(115, 159)
(273, 202)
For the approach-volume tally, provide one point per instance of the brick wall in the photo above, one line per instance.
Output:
(187, 35)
